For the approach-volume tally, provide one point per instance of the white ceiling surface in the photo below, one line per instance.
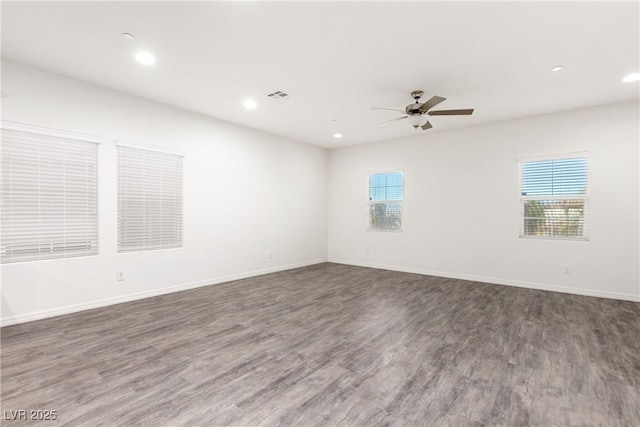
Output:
(339, 59)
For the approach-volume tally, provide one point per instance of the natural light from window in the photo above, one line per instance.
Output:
(385, 201)
(553, 194)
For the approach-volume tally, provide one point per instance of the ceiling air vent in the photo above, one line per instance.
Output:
(279, 95)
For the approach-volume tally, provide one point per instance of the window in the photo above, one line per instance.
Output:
(553, 195)
(385, 201)
(149, 199)
(49, 194)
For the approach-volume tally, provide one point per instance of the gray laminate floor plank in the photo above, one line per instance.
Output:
(333, 345)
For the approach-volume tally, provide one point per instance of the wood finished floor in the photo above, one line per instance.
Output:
(333, 345)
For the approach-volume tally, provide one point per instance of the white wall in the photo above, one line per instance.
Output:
(246, 194)
(461, 215)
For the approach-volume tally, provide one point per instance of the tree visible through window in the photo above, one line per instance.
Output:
(385, 201)
(553, 195)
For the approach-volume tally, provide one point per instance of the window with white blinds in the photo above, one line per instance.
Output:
(149, 199)
(553, 197)
(49, 196)
(385, 201)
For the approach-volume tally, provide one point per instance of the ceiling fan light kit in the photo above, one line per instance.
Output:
(415, 112)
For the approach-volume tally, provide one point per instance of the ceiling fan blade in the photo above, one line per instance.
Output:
(426, 126)
(392, 120)
(435, 100)
(451, 112)
(387, 109)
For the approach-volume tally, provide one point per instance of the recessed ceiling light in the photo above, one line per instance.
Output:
(557, 68)
(337, 135)
(145, 58)
(249, 104)
(128, 36)
(633, 77)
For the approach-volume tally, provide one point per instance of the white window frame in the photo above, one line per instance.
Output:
(146, 244)
(369, 202)
(584, 197)
(68, 233)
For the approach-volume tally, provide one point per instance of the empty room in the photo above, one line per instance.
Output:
(320, 213)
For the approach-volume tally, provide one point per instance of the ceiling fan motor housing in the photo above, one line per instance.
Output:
(414, 110)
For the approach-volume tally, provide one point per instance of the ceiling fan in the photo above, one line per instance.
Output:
(415, 112)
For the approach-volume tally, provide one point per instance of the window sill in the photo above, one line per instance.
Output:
(575, 239)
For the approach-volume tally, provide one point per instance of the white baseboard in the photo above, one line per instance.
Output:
(497, 281)
(58, 311)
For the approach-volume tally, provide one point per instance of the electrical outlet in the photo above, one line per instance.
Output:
(270, 255)
(120, 276)
(567, 269)
(367, 251)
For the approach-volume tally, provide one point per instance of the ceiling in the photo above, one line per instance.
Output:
(339, 59)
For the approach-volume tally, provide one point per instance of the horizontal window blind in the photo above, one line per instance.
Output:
(385, 201)
(149, 199)
(49, 196)
(554, 197)
(554, 177)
